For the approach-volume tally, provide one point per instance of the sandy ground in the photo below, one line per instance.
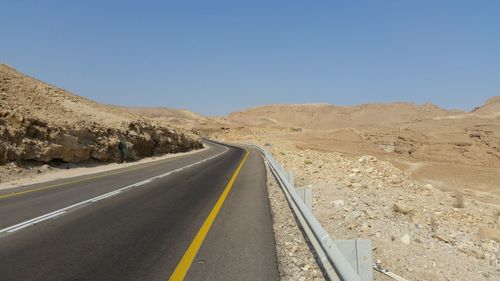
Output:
(47, 173)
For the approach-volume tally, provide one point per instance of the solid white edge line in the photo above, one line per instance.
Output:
(41, 218)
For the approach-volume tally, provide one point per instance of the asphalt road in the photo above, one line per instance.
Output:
(144, 222)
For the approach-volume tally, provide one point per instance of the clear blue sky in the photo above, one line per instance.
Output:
(215, 57)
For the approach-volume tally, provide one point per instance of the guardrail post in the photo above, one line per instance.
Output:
(305, 193)
(359, 254)
(290, 178)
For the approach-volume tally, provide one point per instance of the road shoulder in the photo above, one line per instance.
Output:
(47, 173)
(241, 245)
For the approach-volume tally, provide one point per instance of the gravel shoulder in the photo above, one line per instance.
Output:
(295, 259)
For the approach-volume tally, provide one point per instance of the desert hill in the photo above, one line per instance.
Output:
(325, 116)
(449, 148)
(42, 123)
(31, 97)
(175, 117)
(490, 109)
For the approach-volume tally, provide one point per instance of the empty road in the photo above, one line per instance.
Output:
(200, 216)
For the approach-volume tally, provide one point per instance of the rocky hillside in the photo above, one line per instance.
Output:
(43, 123)
(174, 117)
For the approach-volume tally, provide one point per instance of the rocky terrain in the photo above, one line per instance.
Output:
(450, 149)
(41, 124)
(418, 231)
(421, 182)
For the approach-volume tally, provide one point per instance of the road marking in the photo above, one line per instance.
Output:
(123, 170)
(35, 222)
(53, 214)
(27, 222)
(107, 195)
(186, 261)
(71, 182)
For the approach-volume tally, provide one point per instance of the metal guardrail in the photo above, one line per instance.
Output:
(335, 264)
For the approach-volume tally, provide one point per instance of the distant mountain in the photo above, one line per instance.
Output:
(175, 117)
(325, 116)
(490, 109)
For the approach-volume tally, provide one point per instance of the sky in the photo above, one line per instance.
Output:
(215, 57)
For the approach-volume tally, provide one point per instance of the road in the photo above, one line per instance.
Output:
(201, 216)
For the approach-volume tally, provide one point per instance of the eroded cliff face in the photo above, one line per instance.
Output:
(25, 138)
(42, 123)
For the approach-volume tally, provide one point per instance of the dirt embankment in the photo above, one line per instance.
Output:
(40, 123)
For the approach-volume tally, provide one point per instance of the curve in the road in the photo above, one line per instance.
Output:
(201, 213)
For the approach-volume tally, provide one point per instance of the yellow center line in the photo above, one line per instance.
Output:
(186, 261)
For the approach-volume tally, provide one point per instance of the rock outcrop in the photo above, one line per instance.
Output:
(28, 139)
(42, 123)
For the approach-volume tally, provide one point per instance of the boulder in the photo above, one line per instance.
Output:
(338, 203)
(402, 208)
(15, 120)
(489, 233)
(36, 132)
(3, 153)
(406, 239)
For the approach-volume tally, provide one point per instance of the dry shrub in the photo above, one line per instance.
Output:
(459, 200)
(433, 224)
